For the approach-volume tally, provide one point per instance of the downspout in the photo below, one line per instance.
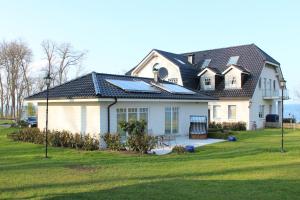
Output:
(108, 113)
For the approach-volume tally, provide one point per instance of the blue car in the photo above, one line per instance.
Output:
(31, 121)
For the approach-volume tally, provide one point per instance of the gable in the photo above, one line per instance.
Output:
(145, 67)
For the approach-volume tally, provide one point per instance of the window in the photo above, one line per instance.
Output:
(121, 117)
(173, 80)
(274, 85)
(259, 83)
(232, 112)
(231, 82)
(207, 81)
(261, 113)
(205, 63)
(130, 114)
(270, 109)
(265, 83)
(233, 60)
(171, 120)
(143, 115)
(217, 112)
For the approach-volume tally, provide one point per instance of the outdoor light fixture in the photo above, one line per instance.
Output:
(282, 86)
(47, 81)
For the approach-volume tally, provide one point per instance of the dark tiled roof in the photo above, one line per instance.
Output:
(251, 59)
(94, 85)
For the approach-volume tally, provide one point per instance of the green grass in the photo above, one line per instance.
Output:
(7, 121)
(251, 168)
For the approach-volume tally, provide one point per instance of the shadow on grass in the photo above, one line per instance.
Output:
(192, 189)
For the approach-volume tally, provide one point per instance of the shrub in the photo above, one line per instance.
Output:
(178, 149)
(218, 135)
(113, 141)
(56, 138)
(233, 126)
(289, 120)
(138, 140)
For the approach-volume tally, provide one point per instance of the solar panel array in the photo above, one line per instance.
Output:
(174, 89)
(133, 86)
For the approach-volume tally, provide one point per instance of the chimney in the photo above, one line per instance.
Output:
(155, 73)
(191, 58)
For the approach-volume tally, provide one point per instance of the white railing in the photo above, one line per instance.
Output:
(267, 93)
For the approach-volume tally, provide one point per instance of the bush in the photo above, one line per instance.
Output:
(138, 139)
(178, 149)
(218, 135)
(113, 141)
(289, 120)
(56, 139)
(233, 126)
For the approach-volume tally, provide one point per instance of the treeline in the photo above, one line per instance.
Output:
(19, 78)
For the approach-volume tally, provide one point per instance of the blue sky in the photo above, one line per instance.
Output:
(118, 34)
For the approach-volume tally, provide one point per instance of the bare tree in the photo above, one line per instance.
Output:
(60, 59)
(15, 57)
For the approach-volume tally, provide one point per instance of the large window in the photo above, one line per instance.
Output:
(232, 112)
(131, 114)
(261, 112)
(217, 112)
(171, 120)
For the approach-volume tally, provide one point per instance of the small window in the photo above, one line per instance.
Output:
(232, 112)
(274, 85)
(173, 80)
(233, 60)
(217, 112)
(132, 114)
(259, 83)
(231, 82)
(261, 112)
(205, 63)
(207, 81)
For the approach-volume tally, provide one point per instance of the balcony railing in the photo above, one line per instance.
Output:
(274, 94)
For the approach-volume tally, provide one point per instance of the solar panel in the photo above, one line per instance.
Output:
(133, 86)
(174, 89)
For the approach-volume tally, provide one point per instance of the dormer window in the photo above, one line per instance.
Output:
(233, 60)
(231, 82)
(205, 63)
(207, 82)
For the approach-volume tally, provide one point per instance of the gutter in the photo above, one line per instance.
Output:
(108, 113)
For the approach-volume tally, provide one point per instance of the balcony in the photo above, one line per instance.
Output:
(275, 94)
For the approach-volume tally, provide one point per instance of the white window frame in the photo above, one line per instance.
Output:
(230, 116)
(229, 82)
(171, 110)
(215, 117)
(138, 114)
(261, 113)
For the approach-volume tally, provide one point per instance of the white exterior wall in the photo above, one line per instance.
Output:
(146, 68)
(242, 111)
(156, 115)
(257, 98)
(76, 117)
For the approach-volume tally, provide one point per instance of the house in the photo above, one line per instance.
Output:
(244, 78)
(96, 103)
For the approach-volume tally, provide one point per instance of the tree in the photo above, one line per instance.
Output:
(15, 57)
(60, 59)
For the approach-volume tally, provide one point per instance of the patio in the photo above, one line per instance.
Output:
(184, 141)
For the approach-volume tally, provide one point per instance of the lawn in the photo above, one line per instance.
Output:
(251, 168)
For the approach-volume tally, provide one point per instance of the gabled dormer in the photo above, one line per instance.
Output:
(235, 76)
(208, 78)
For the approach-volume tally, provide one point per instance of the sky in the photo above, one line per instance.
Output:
(118, 34)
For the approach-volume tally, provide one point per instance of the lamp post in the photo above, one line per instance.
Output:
(282, 86)
(47, 81)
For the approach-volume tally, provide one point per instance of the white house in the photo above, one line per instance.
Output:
(96, 103)
(244, 78)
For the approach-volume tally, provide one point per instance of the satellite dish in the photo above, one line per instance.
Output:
(162, 73)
